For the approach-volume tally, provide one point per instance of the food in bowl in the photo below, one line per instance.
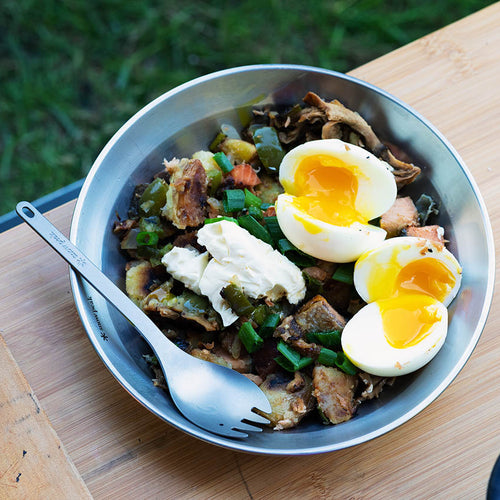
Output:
(244, 254)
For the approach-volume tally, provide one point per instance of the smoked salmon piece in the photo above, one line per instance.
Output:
(244, 176)
(401, 215)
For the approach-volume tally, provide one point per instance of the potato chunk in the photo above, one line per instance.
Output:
(334, 391)
(291, 399)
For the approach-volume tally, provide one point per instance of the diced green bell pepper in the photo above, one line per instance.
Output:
(154, 198)
(269, 148)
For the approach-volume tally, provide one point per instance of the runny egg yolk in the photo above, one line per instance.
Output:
(326, 188)
(428, 276)
(408, 319)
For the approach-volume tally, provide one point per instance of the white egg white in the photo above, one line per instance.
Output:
(382, 264)
(322, 240)
(364, 342)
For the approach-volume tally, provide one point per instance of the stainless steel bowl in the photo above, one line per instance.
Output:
(185, 120)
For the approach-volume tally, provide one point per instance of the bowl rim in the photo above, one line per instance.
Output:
(76, 282)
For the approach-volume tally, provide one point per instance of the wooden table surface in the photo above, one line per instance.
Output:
(69, 430)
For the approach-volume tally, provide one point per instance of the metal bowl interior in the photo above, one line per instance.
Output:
(185, 120)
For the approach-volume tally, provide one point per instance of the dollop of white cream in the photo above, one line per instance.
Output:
(242, 259)
(186, 265)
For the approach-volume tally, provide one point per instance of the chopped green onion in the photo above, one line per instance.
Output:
(287, 365)
(303, 362)
(217, 219)
(292, 359)
(328, 339)
(249, 337)
(300, 259)
(327, 357)
(344, 273)
(286, 246)
(252, 200)
(273, 227)
(223, 162)
(345, 365)
(237, 300)
(265, 206)
(291, 252)
(269, 325)
(255, 212)
(234, 200)
(147, 238)
(254, 228)
(289, 353)
(284, 363)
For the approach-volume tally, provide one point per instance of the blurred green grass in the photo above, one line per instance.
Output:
(72, 72)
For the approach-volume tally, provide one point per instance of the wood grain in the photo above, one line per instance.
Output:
(33, 462)
(123, 451)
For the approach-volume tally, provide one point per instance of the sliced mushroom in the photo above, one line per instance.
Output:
(372, 386)
(402, 171)
(336, 113)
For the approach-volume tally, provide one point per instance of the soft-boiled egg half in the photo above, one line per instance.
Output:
(395, 336)
(407, 282)
(332, 190)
